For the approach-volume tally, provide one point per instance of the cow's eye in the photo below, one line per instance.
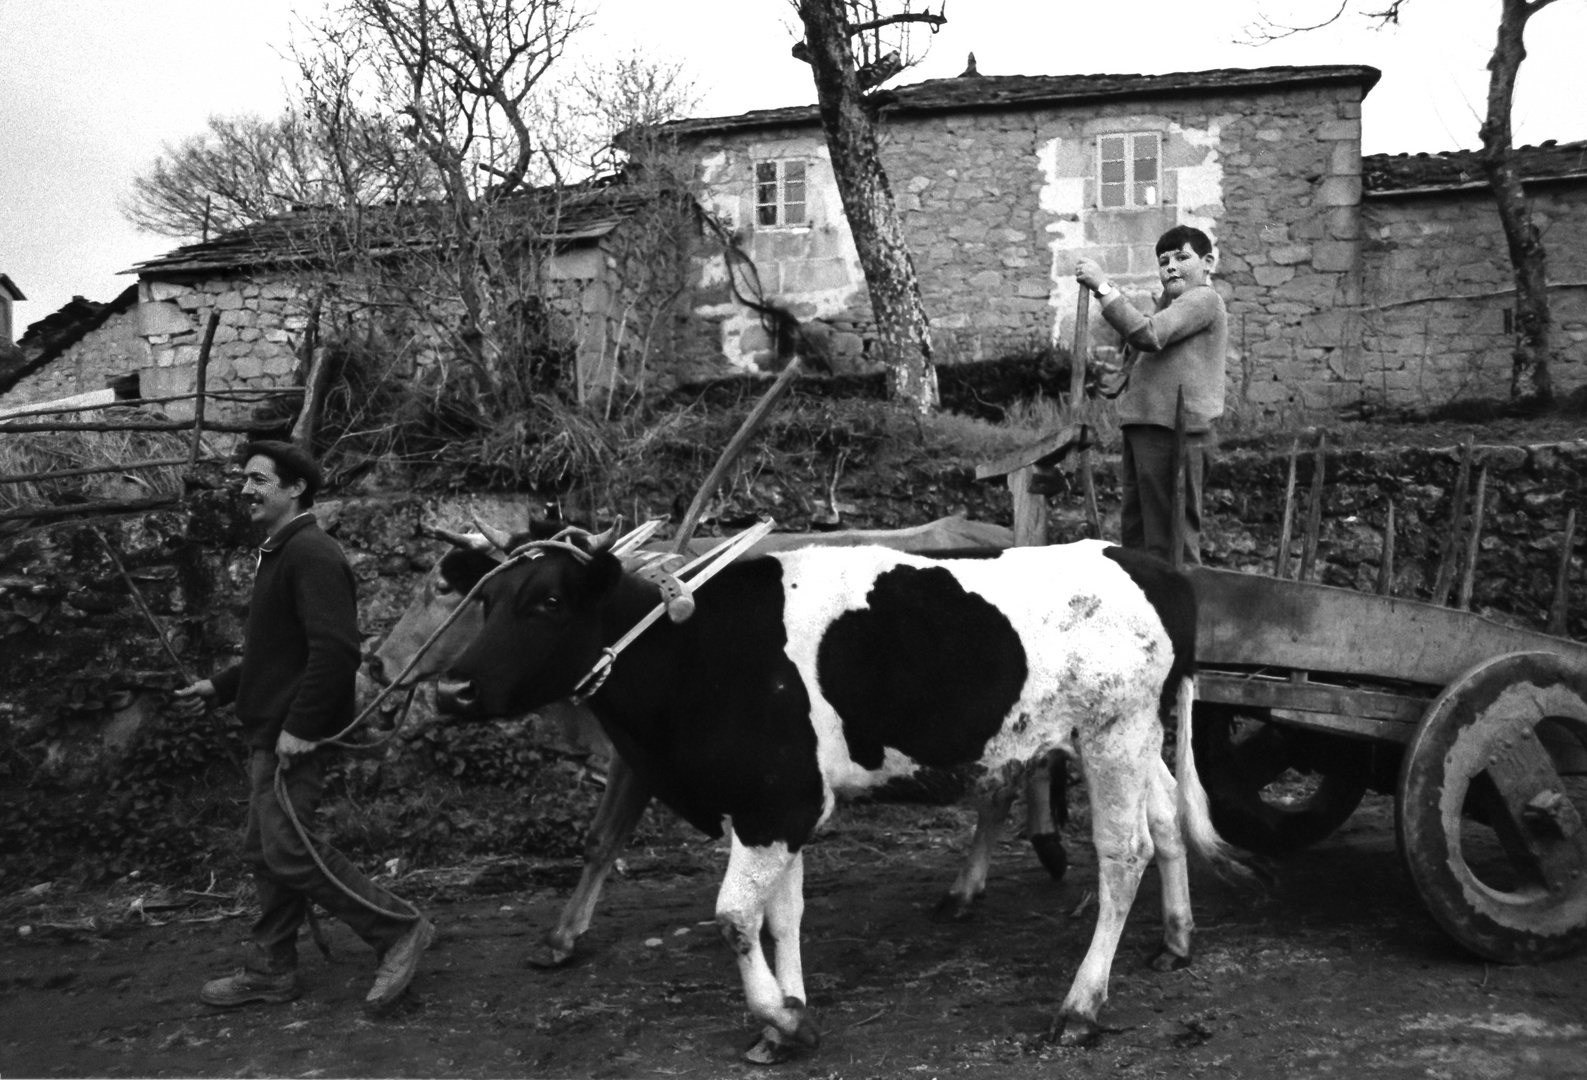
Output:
(552, 603)
(443, 588)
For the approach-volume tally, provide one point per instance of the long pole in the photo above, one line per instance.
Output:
(199, 379)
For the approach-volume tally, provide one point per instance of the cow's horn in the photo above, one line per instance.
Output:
(603, 541)
(499, 537)
(469, 541)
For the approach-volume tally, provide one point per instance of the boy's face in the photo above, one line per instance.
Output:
(1183, 269)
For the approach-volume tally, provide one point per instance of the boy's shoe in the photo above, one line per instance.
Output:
(398, 965)
(247, 986)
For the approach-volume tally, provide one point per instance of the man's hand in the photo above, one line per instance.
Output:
(1089, 274)
(203, 689)
(289, 746)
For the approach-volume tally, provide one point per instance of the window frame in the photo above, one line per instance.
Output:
(1130, 182)
(782, 201)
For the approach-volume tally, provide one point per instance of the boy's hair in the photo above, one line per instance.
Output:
(1180, 235)
(292, 463)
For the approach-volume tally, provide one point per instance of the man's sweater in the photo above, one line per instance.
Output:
(301, 650)
(1183, 343)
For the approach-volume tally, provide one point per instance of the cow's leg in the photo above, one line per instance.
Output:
(1117, 784)
(1046, 784)
(991, 811)
(1172, 867)
(764, 886)
(622, 805)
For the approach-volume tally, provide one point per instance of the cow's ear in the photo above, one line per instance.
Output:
(461, 568)
(605, 571)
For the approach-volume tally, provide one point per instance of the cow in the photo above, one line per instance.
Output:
(625, 798)
(803, 674)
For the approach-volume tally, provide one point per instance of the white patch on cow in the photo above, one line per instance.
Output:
(1087, 675)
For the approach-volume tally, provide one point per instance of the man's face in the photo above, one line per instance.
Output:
(1183, 269)
(269, 502)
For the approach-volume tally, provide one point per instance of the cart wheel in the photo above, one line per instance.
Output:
(1271, 790)
(1493, 790)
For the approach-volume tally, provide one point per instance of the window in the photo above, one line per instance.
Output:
(1128, 170)
(780, 193)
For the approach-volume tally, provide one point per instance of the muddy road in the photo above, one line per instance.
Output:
(1337, 973)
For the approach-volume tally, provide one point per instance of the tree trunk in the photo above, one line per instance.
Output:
(1530, 378)
(903, 331)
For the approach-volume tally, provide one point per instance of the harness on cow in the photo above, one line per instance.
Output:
(676, 603)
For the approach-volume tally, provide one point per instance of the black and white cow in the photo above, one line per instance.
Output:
(806, 673)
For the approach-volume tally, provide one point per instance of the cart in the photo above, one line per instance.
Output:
(1478, 729)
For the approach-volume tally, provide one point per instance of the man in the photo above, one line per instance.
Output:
(295, 686)
(1180, 347)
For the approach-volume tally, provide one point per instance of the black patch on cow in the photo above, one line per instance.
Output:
(714, 716)
(1174, 599)
(927, 668)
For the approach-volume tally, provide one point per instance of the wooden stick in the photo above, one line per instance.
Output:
(1560, 607)
(57, 474)
(1386, 559)
(143, 605)
(1079, 362)
(1308, 552)
(1030, 510)
(138, 403)
(117, 506)
(735, 446)
(317, 369)
(1468, 572)
(1287, 530)
(1445, 577)
(11, 427)
(199, 379)
(1176, 532)
(1089, 485)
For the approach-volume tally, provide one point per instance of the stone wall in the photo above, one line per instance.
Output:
(1438, 293)
(112, 350)
(997, 205)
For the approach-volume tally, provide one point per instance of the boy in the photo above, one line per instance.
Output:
(1181, 345)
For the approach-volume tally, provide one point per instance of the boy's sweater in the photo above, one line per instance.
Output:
(1183, 343)
(301, 653)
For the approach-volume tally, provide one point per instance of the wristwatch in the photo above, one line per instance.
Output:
(1104, 290)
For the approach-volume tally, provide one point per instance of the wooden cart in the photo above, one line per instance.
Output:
(1478, 729)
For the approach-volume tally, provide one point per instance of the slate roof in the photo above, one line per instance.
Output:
(982, 92)
(309, 235)
(1460, 170)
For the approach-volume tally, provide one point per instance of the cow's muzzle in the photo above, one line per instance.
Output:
(456, 698)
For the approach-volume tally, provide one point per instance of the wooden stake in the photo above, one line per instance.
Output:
(1287, 530)
(1386, 559)
(1176, 532)
(1088, 484)
(1445, 577)
(116, 506)
(1308, 553)
(735, 446)
(316, 370)
(200, 377)
(1558, 610)
(128, 466)
(1468, 572)
(1030, 509)
(148, 613)
(1079, 361)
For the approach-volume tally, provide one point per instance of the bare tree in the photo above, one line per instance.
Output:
(849, 102)
(1530, 372)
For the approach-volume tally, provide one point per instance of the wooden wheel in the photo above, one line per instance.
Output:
(1493, 790)
(1274, 790)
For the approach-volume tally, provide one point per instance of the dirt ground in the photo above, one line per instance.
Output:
(1338, 972)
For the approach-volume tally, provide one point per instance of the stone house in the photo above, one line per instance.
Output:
(9, 295)
(604, 247)
(1002, 181)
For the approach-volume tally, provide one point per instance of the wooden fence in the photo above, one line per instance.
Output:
(31, 422)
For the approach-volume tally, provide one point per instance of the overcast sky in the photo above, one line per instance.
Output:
(91, 89)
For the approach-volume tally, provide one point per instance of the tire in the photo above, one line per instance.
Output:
(1491, 808)
(1242, 758)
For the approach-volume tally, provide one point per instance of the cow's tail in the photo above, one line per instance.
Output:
(1194, 815)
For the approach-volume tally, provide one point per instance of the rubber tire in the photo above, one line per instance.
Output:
(1234, 794)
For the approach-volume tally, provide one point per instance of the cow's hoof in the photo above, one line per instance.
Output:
(1168, 960)
(1050, 850)
(773, 1047)
(953, 908)
(1075, 1031)
(548, 957)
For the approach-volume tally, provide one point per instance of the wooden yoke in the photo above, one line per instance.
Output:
(1030, 508)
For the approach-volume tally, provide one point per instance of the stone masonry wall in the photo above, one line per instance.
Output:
(111, 350)
(998, 204)
(1439, 295)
